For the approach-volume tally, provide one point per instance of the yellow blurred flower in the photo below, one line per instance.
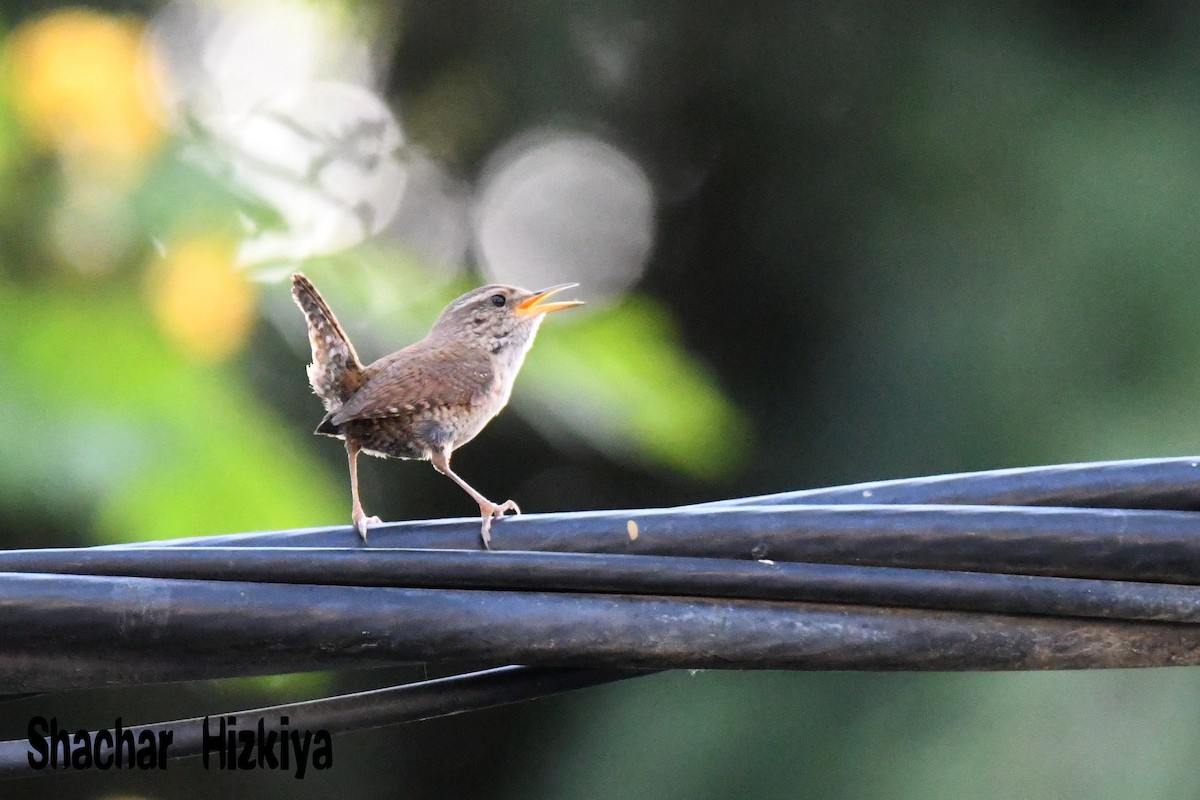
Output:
(77, 79)
(201, 299)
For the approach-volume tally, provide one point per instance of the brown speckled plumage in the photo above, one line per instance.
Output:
(335, 373)
(426, 400)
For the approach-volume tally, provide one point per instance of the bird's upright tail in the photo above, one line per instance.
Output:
(335, 372)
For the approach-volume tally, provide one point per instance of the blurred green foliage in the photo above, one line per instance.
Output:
(636, 397)
(104, 417)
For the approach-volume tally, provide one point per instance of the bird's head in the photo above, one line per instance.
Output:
(500, 319)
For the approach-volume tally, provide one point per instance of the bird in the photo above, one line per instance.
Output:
(427, 399)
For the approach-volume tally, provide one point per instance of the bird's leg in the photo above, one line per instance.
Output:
(361, 520)
(441, 462)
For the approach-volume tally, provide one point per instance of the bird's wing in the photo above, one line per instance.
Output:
(335, 372)
(418, 378)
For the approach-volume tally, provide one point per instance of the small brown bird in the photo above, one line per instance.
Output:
(435, 395)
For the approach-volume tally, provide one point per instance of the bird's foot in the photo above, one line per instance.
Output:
(361, 521)
(490, 511)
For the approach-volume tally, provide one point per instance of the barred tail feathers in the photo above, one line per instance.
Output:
(335, 372)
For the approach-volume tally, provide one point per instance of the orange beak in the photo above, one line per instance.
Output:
(532, 306)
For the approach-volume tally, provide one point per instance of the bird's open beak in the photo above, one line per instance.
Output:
(532, 306)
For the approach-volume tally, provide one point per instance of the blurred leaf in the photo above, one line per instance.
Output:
(104, 415)
(621, 379)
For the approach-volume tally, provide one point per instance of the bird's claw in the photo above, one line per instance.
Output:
(490, 512)
(361, 521)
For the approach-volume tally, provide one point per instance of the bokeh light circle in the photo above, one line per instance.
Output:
(326, 158)
(557, 207)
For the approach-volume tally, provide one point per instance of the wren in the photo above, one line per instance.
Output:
(432, 397)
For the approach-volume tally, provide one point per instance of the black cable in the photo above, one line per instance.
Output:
(1116, 544)
(71, 631)
(1169, 484)
(629, 574)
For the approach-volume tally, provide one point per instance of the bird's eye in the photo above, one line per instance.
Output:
(499, 300)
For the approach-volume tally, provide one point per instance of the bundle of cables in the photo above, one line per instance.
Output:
(1064, 567)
